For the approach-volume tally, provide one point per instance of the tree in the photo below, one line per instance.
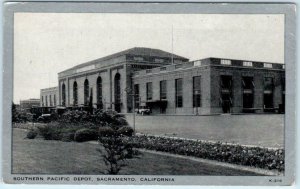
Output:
(117, 148)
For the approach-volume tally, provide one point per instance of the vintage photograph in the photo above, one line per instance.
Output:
(156, 95)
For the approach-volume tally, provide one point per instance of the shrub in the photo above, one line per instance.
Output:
(50, 133)
(126, 130)
(83, 135)
(31, 134)
(105, 131)
(68, 136)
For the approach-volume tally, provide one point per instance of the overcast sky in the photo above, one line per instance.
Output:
(47, 43)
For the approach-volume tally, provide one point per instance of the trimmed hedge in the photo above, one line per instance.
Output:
(243, 155)
(68, 136)
(105, 131)
(50, 133)
(83, 135)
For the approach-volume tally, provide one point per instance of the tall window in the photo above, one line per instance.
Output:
(226, 93)
(42, 100)
(197, 91)
(283, 89)
(248, 88)
(149, 90)
(86, 92)
(63, 95)
(268, 92)
(54, 100)
(178, 93)
(117, 92)
(99, 93)
(75, 94)
(137, 95)
(163, 90)
(46, 100)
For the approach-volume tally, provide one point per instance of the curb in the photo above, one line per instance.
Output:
(222, 164)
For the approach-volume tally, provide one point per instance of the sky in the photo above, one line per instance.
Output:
(48, 43)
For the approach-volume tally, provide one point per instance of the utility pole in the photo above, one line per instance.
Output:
(172, 47)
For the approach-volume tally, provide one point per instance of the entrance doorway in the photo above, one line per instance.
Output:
(226, 93)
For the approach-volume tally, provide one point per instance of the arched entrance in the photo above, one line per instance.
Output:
(86, 92)
(75, 94)
(63, 95)
(117, 91)
(99, 93)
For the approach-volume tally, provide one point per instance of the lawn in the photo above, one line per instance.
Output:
(40, 156)
(265, 130)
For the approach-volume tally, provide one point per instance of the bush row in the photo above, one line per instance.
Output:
(83, 126)
(85, 132)
(99, 117)
(243, 155)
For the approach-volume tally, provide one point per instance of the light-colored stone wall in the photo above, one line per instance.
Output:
(210, 86)
(52, 96)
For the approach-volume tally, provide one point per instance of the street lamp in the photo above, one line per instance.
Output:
(130, 93)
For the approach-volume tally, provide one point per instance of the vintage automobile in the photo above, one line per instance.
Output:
(143, 110)
(44, 118)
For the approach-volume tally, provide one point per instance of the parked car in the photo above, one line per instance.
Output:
(44, 118)
(144, 110)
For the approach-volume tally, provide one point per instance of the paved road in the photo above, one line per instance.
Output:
(265, 130)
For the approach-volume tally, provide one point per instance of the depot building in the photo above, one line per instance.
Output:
(171, 84)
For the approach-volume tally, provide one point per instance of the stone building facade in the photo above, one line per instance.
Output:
(29, 103)
(170, 84)
(107, 82)
(212, 85)
(49, 97)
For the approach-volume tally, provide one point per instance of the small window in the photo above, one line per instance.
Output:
(148, 71)
(226, 62)
(176, 61)
(178, 66)
(197, 63)
(267, 65)
(159, 60)
(283, 66)
(163, 68)
(247, 64)
(138, 58)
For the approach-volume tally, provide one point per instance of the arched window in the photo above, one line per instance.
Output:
(117, 92)
(75, 94)
(54, 100)
(50, 100)
(86, 92)
(99, 93)
(63, 95)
